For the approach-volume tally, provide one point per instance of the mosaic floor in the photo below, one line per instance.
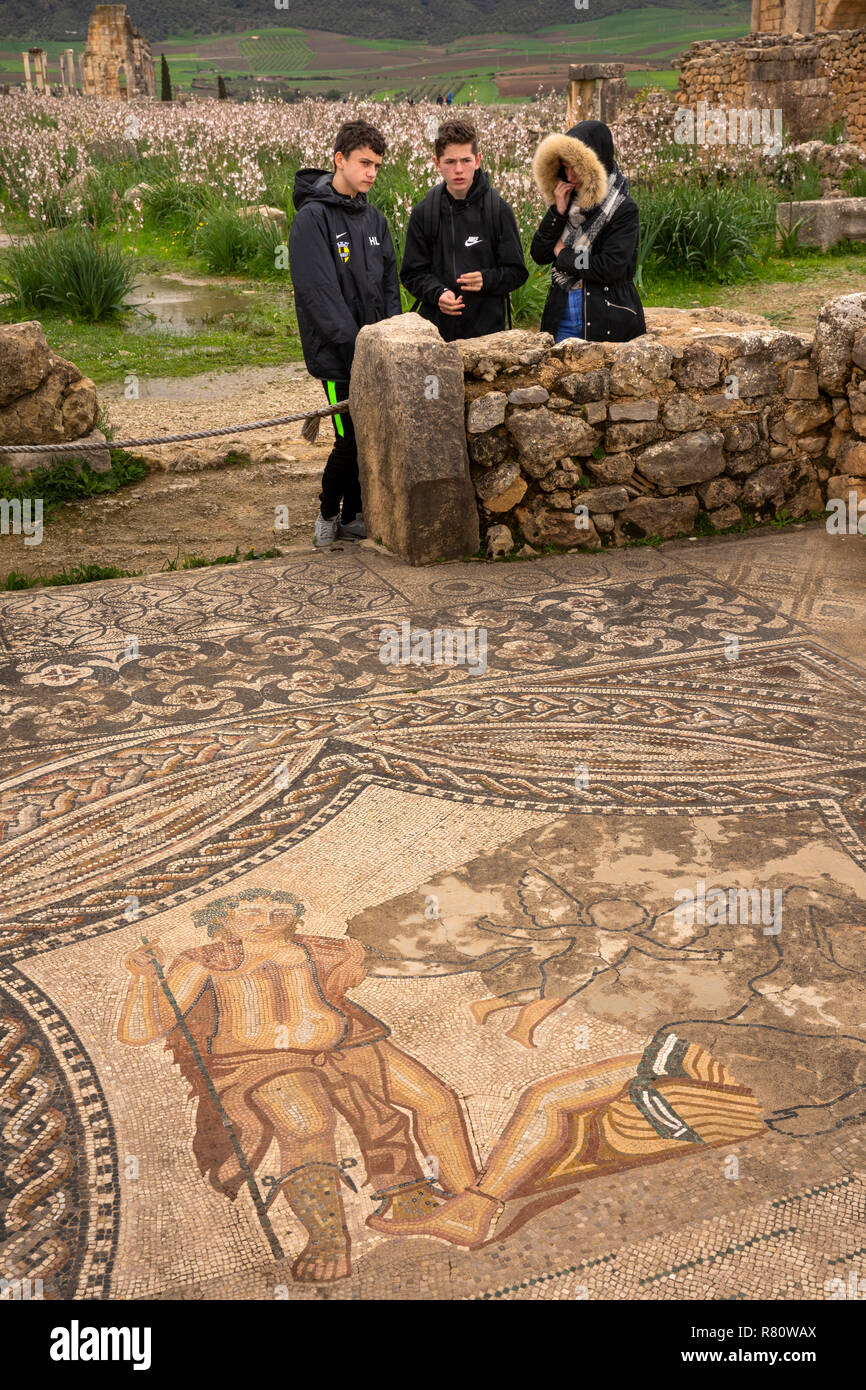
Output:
(542, 977)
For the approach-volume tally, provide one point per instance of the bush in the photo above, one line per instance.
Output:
(713, 231)
(228, 242)
(69, 271)
(172, 200)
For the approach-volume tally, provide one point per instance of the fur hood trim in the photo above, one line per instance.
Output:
(565, 149)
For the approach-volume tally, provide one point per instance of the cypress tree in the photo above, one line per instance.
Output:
(166, 80)
(222, 94)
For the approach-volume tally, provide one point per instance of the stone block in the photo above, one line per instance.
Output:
(603, 499)
(596, 412)
(499, 541)
(824, 221)
(804, 417)
(718, 492)
(682, 413)
(542, 526)
(767, 485)
(659, 516)
(699, 366)
(528, 395)
(632, 410)
(800, 383)
(486, 412)
(492, 353)
(419, 500)
(639, 365)
(840, 323)
(25, 358)
(486, 450)
(491, 482)
(619, 437)
(693, 458)
(723, 517)
(585, 386)
(613, 468)
(543, 438)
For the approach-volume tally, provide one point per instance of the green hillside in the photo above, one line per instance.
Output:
(419, 19)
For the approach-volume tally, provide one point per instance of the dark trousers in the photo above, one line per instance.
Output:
(340, 482)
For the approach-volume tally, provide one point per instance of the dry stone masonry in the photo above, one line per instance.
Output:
(708, 414)
(814, 79)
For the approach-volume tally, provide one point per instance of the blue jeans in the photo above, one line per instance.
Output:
(571, 323)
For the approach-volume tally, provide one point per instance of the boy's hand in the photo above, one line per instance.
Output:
(449, 303)
(472, 280)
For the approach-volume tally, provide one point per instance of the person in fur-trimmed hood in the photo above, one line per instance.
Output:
(590, 234)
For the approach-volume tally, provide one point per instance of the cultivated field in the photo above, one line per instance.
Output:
(483, 67)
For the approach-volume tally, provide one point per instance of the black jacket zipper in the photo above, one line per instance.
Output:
(620, 306)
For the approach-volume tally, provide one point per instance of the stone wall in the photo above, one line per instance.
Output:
(44, 400)
(115, 48)
(588, 444)
(787, 16)
(814, 80)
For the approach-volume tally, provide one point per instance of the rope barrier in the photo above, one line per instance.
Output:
(309, 433)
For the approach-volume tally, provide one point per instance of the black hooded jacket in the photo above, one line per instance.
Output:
(478, 232)
(344, 271)
(612, 309)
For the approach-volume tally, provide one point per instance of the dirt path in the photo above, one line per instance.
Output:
(192, 502)
(793, 306)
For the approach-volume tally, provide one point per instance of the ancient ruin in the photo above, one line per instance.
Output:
(803, 57)
(117, 58)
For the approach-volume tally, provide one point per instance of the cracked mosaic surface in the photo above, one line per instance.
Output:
(472, 1066)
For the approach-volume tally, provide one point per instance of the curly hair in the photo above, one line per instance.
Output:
(455, 132)
(359, 135)
(214, 915)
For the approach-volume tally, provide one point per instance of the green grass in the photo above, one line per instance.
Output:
(482, 89)
(65, 480)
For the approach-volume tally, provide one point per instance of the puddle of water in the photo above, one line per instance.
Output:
(177, 307)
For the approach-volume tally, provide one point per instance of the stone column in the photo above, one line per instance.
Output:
(67, 59)
(408, 409)
(798, 16)
(38, 55)
(27, 80)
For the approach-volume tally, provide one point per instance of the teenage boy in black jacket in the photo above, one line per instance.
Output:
(344, 273)
(463, 255)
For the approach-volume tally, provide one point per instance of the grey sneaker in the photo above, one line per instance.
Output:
(354, 530)
(327, 529)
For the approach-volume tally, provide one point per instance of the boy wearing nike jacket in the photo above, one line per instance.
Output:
(463, 255)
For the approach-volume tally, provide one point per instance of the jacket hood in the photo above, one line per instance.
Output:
(315, 186)
(570, 149)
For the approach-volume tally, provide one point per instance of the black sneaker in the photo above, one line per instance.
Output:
(354, 530)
